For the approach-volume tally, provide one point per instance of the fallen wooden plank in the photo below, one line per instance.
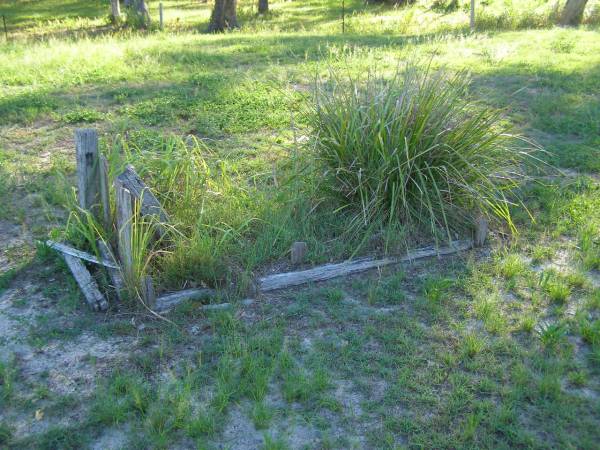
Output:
(86, 283)
(65, 249)
(329, 271)
(114, 273)
(169, 301)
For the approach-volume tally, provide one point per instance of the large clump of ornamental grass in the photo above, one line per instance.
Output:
(411, 150)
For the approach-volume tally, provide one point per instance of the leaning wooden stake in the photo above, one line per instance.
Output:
(328, 271)
(149, 204)
(86, 283)
(104, 194)
(88, 170)
(81, 254)
(114, 273)
(124, 229)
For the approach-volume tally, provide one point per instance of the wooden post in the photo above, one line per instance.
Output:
(298, 252)
(343, 16)
(104, 194)
(124, 229)
(88, 173)
(160, 15)
(149, 204)
(5, 29)
(148, 293)
(472, 15)
(481, 231)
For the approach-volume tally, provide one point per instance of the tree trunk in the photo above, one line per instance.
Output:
(573, 12)
(263, 6)
(142, 9)
(224, 16)
(115, 10)
(231, 13)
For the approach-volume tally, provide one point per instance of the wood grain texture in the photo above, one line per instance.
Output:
(65, 249)
(88, 181)
(329, 271)
(114, 273)
(169, 301)
(87, 284)
(104, 194)
(149, 204)
(124, 230)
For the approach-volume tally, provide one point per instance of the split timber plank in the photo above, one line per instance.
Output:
(66, 250)
(87, 284)
(329, 271)
(169, 301)
(149, 204)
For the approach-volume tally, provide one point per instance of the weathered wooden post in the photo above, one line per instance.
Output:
(114, 273)
(298, 252)
(147, 292)
(104, 194)
(124, 202)
(88, 170)
(160, 16)
(481, 231)
(472, 15)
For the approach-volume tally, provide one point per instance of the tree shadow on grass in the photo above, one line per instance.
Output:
(560, 110)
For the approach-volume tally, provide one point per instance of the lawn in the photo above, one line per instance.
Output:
(497, 347)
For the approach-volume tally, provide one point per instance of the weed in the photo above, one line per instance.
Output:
(590, 331)
(557, 290)
(261, 415)
(551, 335)
(397, 172)
(472, 345)
(435, 290)
(6, 433)
(528, 323)
(8, 373)
(272, 443)
(512, 266)
(6, 278)
(334, 295)
(578, 378)
(202, 424)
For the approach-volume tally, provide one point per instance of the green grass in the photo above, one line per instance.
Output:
(480, 352)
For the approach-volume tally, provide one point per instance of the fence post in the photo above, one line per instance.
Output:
(5, 29)
(160, 15)
(124, 230)
(88, 170)
(472, 15)
(343, 16)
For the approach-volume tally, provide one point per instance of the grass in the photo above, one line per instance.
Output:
(408, 149)
(480, 352)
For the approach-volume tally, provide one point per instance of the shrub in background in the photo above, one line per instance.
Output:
(412, 150)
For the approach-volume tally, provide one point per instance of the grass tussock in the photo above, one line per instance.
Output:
(412, 149)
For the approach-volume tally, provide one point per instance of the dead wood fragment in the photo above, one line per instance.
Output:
(328, 271)
(87, 284)
(66, 250)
